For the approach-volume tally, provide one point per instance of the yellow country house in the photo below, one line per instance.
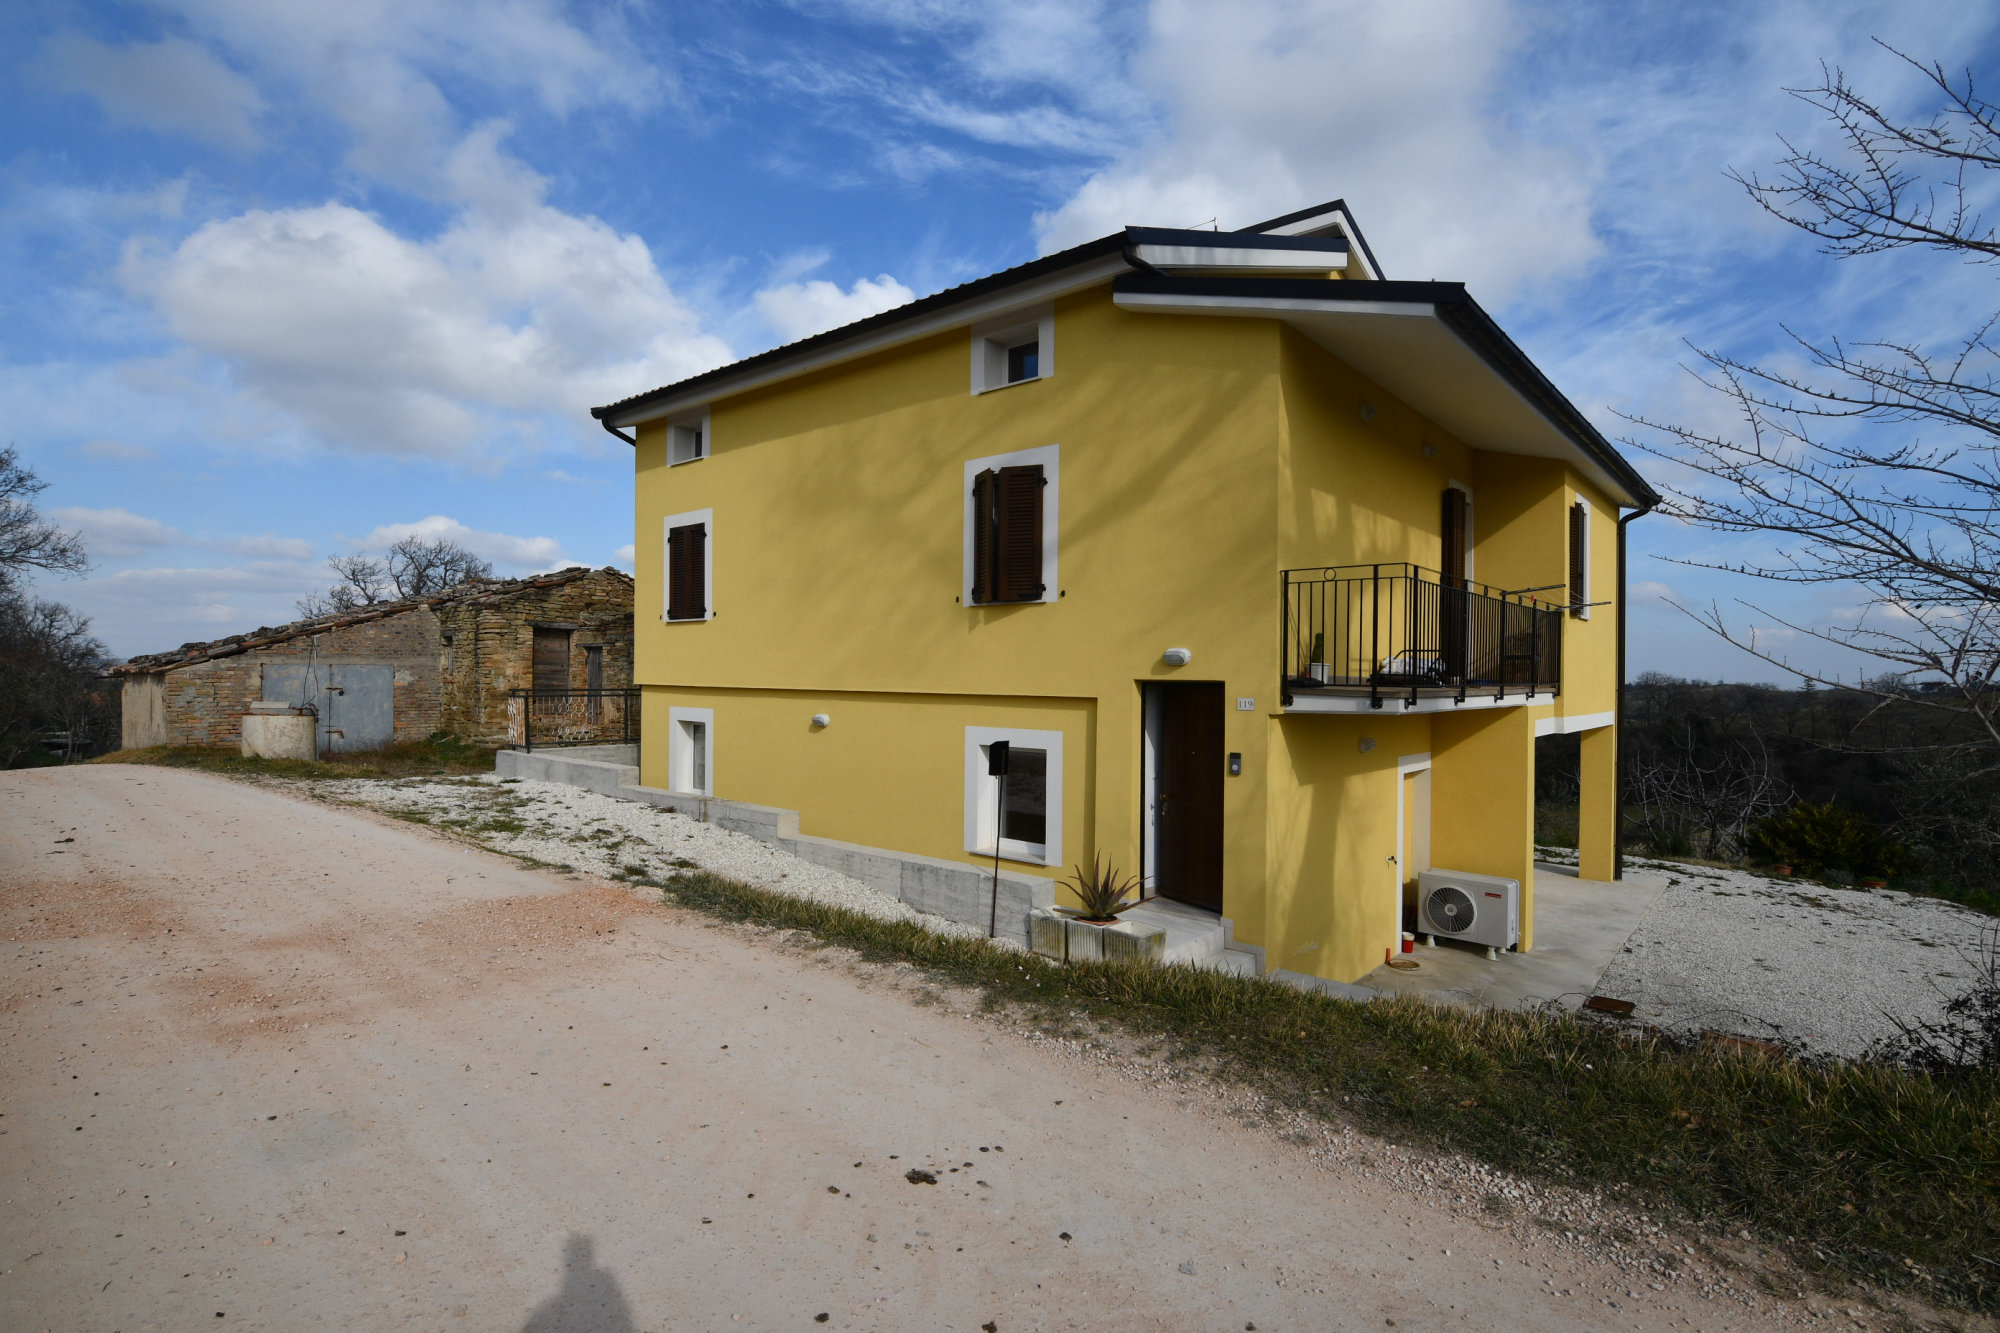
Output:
(1269, 570)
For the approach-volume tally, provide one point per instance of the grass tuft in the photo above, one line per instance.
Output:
(1893, 1174)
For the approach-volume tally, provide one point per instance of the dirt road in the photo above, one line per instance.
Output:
(278, 1065)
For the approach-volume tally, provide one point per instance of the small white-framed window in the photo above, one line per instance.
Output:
(687, 438)
(1024, 808)
(1048, 458)
(1014, 349)
(1579, 558)
(691, 750)
(687, 567)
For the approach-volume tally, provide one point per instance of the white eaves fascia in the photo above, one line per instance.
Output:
(1271, 260)
(957, 316)
(1266, 305)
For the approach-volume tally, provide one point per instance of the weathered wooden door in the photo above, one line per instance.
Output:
(551, 660)
(1187, 791)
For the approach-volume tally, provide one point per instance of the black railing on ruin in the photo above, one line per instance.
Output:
(573, 717)
(1401, 630)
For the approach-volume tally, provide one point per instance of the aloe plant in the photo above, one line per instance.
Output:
(1103, 890)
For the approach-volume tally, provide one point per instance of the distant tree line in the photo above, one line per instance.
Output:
(1861, 787)
(54, 700)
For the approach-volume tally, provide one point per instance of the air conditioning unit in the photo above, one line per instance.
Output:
(1479, 909)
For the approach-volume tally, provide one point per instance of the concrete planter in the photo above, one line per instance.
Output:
(1057, 933)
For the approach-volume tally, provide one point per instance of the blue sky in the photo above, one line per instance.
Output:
(285, 279)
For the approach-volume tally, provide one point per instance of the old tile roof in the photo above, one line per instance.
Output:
(488, 590)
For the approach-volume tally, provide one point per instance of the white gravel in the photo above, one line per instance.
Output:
(601, 835)
(1820, 968)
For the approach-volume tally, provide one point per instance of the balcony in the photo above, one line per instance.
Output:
(1406, 636)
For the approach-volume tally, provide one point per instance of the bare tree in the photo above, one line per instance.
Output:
(49, 677)
(414, 568)
(418, 567)
(359, 581)
(27, 540)
(1830, 463)
(1697, 799)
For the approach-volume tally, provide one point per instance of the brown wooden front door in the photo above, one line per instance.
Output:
(1187, 791)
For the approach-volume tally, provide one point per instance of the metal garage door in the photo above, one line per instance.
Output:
(357, 704)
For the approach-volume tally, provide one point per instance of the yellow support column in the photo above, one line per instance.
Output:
(1483, 799)
(1597, 813)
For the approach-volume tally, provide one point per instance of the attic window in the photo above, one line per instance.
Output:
(1014, 350)
(687, 440)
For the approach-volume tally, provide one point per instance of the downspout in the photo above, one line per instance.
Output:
(1618, 715)
(606, 423)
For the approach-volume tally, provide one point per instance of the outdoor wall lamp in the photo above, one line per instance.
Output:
(1177, 657)
(822, 720)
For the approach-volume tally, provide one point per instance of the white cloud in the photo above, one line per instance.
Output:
(270, 546)
(116, 534)
(797, 310)
(521, 555)
(380, 343)
(626, 554)
(371, 64)
(172, 84)
(153, 610)
(1273, 104)
(116, 451)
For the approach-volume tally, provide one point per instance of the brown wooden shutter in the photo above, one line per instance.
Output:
(1018, 545)
(687, 572)
(1452, 563)
(1579, 517)
(985, 532)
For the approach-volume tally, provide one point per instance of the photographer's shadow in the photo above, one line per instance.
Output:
(589, 1302)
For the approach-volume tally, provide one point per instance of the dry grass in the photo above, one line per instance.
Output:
(440, 756)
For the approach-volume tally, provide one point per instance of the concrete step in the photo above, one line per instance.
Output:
(1192, 934)
(1241, 962)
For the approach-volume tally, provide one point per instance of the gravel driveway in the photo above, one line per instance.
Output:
(1827, 970)
(275, 1063)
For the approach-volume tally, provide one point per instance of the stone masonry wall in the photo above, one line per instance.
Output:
(490, 646)
(204, 702)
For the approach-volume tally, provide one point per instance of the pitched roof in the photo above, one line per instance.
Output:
(487, 590)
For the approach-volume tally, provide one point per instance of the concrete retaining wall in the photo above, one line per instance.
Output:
(953, 890)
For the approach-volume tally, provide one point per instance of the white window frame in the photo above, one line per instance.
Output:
(687, 438)
(1582, 595)
(705, 517)
(982, 795)
(680, 755)
(1049, 457)
(992, 338)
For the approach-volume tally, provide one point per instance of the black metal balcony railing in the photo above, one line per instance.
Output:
(1384, 630)
(572, 717)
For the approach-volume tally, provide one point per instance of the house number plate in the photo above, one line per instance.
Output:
(1246, 705)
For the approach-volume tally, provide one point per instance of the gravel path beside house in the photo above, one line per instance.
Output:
(602, 835)
(1818, 967)
(1814, 966)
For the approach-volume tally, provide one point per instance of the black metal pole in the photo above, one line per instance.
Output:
(996, 768)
